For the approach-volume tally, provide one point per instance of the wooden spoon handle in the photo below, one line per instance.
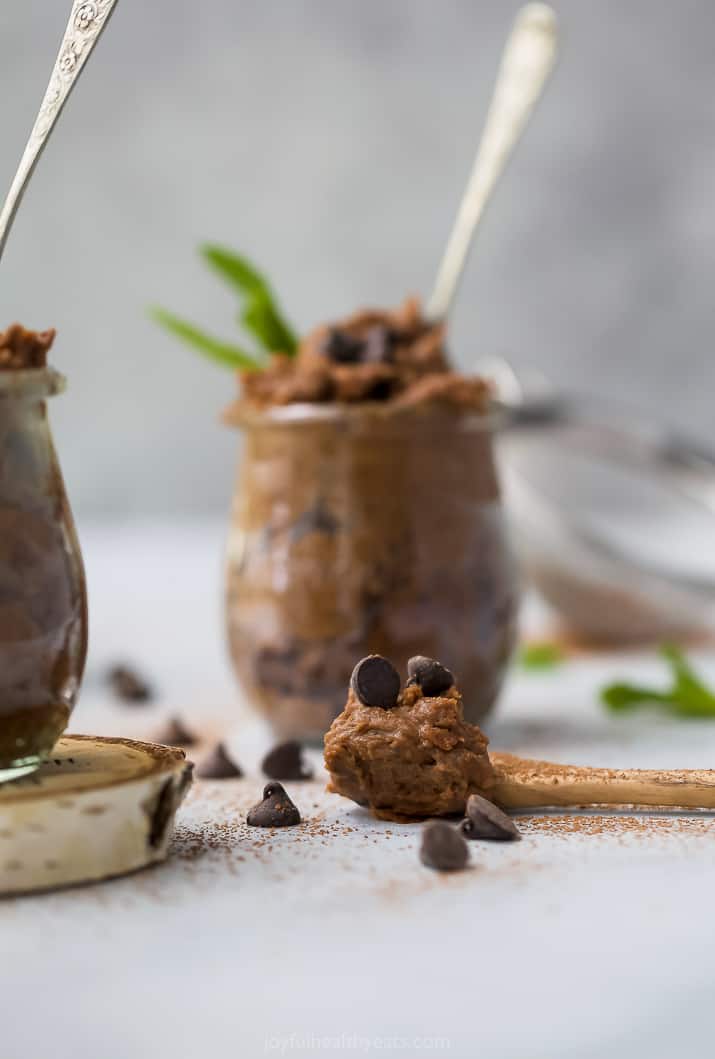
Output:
(524, 784)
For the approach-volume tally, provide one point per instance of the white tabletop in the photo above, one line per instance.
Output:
(332, 939)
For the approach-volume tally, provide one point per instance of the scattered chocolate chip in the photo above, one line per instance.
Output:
(378, 345)
(343, 348)
(276, 809)
(432, 677)
(285, 762)
(376, 682)
(486, 820)
(218, 765)
(443, 847)
(174, 733)
(129, 685)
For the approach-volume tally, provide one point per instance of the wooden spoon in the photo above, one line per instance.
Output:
(524, 784)
(402, 767)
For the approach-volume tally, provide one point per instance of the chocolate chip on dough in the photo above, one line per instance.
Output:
(343, 348)
(376, 682)
(432, 676)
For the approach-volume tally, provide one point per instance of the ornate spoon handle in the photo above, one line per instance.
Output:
(528, 58)
(86, 22)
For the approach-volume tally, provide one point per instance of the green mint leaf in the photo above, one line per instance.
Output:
(620, 697)
(541, 656)
(685, 679)
(687, 696)
(234, 268)
(222, 352)
(260, 315)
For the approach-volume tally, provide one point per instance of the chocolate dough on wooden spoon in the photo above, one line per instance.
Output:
(410, 753)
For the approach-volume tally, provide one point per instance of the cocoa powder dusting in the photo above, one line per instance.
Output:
(617, 825)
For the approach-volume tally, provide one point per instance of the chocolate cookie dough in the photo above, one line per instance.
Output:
(418, 759)
(374, 355)
(21, 349)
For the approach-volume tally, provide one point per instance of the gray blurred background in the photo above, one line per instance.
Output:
(330, 140)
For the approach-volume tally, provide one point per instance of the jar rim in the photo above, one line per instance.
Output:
(372, 413)
(31, 383)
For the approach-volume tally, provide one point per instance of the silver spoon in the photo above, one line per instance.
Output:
(86, 22)
(527, 61)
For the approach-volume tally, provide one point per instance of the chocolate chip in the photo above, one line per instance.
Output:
(218, 765)
(342, 347)
(486, 820)
(276, 809)
(285, 762)
(174, 733)
(432, 677)
(376, 682)
(129, 685)
(443, 847)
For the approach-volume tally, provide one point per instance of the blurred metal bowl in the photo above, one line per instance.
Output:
(613, 518)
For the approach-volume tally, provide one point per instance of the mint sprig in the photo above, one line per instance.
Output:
(222, 352)
(687, 695)
(259, 315)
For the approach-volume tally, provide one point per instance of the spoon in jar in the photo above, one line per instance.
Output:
(86, 22)
(527, 61)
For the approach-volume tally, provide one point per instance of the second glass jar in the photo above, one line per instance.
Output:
(355, 531)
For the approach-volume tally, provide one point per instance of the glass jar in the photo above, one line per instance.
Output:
(359, 530)
(43, 607)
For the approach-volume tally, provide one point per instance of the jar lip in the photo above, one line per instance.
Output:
(372, 413)
(31, 383)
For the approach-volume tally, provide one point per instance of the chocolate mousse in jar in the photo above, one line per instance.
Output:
(366, 519)
(43, 609)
